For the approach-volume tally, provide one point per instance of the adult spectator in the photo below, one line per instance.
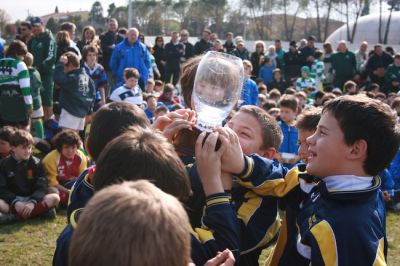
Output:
(174, 50)
(204, 44)
(343, 65)
(293, 62)
(241, 51)
(392, 76)
(328, 52)
(159, 55)
(257, 57)
(131, 53)
(25, 32)
(188, 46)
(88, 38)
(377, 64)
(108, 41)
(308, 51)
(361, 57)
(43, 48)
(71, 29)
(65, 44)
(229, 46)
(280, 53)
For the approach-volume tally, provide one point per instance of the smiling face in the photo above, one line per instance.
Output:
(22, 152)
(69, 151)
(303, 134)
(327, 149)
(249, 132)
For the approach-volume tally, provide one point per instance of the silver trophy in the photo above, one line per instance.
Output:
(217, 88)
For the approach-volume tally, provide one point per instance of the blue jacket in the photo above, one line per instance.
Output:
(125, 55)
(249, 93)
(289, 143)
(394, 170)
(266, 73)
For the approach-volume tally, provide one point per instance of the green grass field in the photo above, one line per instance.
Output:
(33, 242)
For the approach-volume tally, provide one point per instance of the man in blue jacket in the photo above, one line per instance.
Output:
(131, 53)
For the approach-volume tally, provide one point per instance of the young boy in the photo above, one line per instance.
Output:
(130, 92)
(288, 150)
(36, 88)
(266, 71)
(149, 89)
(151, 107)
(77, 92)
(6, 133)
(64, 164)
(168, 96)
(318, 70)
(249, 94)
(346, 153)
(23, 183)
(121, 115)
(151, 220)
(97, 73)
(305, 81)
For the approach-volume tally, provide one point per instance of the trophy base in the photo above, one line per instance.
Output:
(186, 140)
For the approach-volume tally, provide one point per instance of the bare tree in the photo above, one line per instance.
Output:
(4, 19)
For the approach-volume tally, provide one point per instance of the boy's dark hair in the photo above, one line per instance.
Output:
(289, 101)
(89, 49)
(169, 87)
(177, 106)
(26, 24)
(371, 120)
(348, 85)
(72, 58)
(161, 108)
(21, 137)
(110, 121)
(395, 103)
(123, 30)
(123, 223)
(380, 95)
(6, 133)
(319, 94)
(67, 26)
(308, 119)
(271, 132)
(318, 54)
(374, 86)
(131, 72)
(275, 93)
(269, 104)
(266, 60)
(158, 83)
(16, 48)
(328, 97)
(66, 137)
(142, 154)
(290, 91)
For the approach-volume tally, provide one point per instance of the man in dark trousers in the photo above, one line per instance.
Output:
(174, 50)
(108, 41)
(308, 51)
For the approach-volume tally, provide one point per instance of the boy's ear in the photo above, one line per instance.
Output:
(358, 150)
(269, 153)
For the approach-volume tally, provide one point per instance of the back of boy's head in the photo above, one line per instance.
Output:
(308, 119)
(6, 132)
(274, 94)
(21, 137)
(268, 104)
(271, 132)
(362, 118)
(142, 154)
(131, 73)
(126, 224)
(161, 109)
(395, 104)
(72, 59)
(28, 59)
(158, 83)
(169, 87)
(348, 85)
(110, 121)
(289, 101)
(290, 91)
(150, 82)
(66, 137)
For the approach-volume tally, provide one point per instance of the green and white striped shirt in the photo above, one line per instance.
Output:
(14, 80)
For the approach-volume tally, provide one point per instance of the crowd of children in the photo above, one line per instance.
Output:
(303, 170)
